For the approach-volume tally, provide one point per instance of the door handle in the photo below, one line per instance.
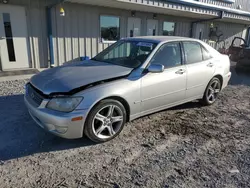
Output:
(181, 71)
(210, 64)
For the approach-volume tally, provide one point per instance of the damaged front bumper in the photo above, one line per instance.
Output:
(58, 123)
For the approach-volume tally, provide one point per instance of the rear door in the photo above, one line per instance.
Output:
(200, 68)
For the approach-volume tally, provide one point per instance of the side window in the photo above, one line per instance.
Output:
(206, 55)
(193, 52)
(168, 55)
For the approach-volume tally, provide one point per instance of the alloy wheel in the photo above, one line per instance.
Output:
(107, 121)
(213, 91)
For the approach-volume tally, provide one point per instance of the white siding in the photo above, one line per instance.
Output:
(183, 29)
(37, 28)
(78, 33)
(229, 31)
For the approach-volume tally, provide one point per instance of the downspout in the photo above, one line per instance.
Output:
(248, 36)
(50, 37)
(50, 34)
(204, 20)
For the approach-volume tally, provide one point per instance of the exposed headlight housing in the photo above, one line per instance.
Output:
(64, 104)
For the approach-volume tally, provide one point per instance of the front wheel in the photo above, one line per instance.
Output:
(212, 91)
(105, 121)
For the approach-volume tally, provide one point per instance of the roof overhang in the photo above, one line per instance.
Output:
(188, 8)
(159, 8)
(210, 6)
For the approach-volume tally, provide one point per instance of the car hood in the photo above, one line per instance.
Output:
(63, 79)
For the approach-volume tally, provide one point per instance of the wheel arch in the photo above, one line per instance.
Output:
(220, 78)
(118, 98)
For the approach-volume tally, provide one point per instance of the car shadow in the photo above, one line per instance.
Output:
(20, 136)
(189, 105)
(239, 76)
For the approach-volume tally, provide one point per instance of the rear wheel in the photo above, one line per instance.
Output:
(105, 121)
(212, 91)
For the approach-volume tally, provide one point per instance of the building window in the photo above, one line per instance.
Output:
(110, 28)
(9, 37)
(168, 28)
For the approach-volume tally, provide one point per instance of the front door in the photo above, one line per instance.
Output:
(13, 38)
(134, 27)
(152, 27)
(238, 44)
(160, 90)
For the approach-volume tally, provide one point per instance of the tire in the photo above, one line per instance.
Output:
(212, 91)
(105, 121)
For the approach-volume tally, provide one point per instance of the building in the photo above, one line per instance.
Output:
(34, 34)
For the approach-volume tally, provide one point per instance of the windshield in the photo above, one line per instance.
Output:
(126, 53)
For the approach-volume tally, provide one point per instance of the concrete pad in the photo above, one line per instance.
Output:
(18, 77)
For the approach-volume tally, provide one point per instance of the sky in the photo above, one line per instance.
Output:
(108, 21)
(168, 26)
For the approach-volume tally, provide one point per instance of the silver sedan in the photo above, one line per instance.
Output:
(129, 79)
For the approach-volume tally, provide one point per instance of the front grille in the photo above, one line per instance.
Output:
(33, 95)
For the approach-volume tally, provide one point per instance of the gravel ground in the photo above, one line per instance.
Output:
(187, 146)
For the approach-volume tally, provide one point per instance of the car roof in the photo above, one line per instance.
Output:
(159, 39)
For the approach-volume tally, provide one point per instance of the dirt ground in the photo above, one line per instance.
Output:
(186, 146)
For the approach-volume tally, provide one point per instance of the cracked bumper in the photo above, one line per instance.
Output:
(57, 123)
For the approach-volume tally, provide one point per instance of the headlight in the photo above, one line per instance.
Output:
(64, 104)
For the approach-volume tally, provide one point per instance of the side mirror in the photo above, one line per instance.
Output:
(156, 68)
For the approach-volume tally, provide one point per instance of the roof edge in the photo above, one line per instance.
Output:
(209, 6)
